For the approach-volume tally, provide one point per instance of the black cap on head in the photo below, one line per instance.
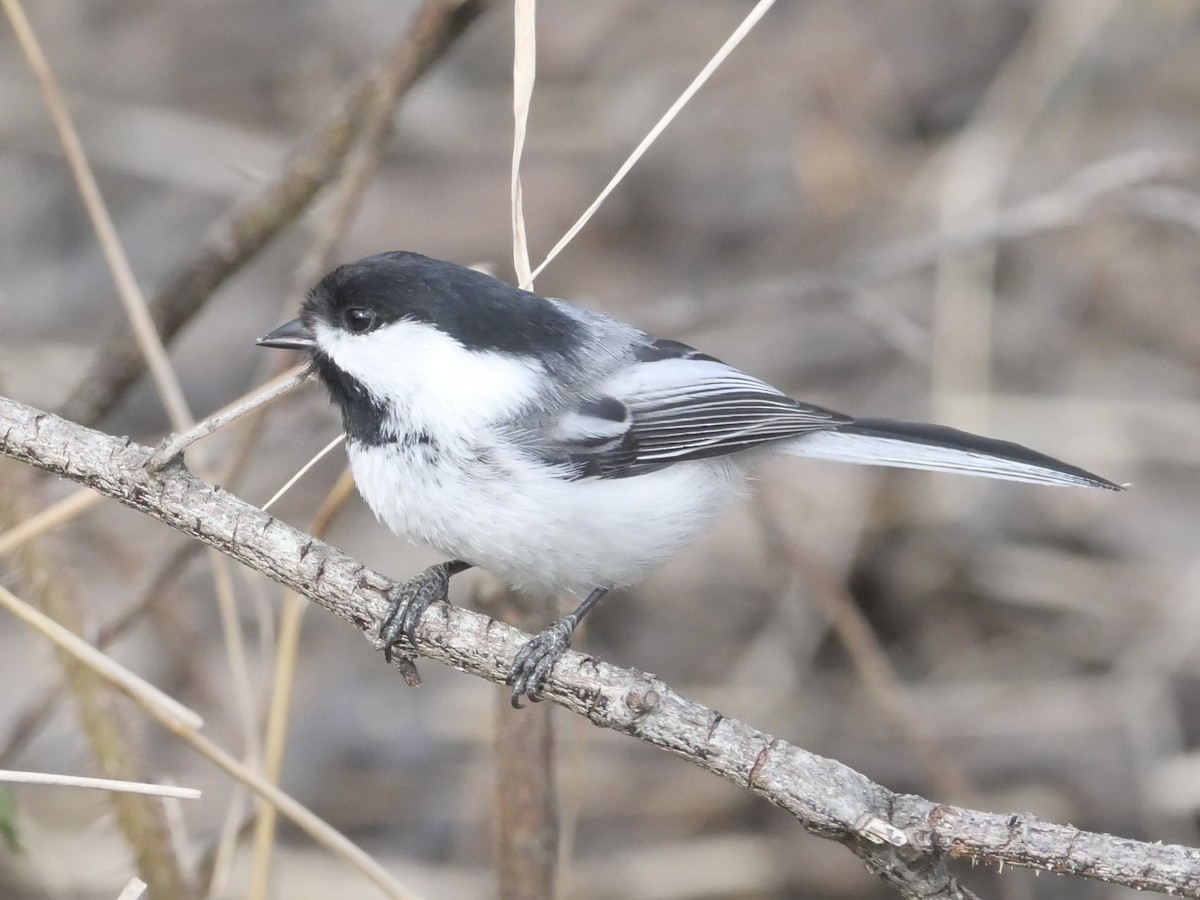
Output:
(479, 311)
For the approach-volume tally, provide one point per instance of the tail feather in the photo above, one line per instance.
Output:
(915, 445)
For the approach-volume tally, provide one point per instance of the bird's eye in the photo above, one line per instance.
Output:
(359, 319)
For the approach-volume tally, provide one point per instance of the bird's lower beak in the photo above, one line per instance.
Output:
(293, 335)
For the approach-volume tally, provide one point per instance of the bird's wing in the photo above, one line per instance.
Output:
(670, 405)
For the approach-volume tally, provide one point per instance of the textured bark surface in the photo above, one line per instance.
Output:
(901, 838)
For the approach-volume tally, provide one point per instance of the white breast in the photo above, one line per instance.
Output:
(535, 531)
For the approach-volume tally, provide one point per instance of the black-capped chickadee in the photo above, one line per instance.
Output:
(557, 448)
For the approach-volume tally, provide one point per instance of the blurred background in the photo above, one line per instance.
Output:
(982, 213)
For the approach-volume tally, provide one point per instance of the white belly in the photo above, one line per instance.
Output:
(535, 531)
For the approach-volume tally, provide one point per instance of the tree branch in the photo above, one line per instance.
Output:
(235, 238)
(901, 838)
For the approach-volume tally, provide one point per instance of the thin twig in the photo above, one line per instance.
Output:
(268, 393)
(759, 10)
(320, 454)
(59, 513)
(236, 238)
(147, 695)
(283, 679)
(99, 784)
(39, 707)
(180, 721)
(980, 159)
(74, 505)
(524, 72)
(149, 343)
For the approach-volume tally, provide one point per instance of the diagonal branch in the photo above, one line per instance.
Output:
(903, 839)
(248, 227)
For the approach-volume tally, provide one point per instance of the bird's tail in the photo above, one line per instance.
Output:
(914, 445)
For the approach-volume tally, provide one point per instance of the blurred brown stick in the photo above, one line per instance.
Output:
(901, 838)
(249, 226)
(41, 706)
(282, 685)
(870, 660)
(142, 820)
(1066, 205)
(526, 808)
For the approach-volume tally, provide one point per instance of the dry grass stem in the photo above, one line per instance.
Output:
(524, 73)
(106, 667)
(260, 397)
(99, 784)
(759, 10)
(284, 677)
(59, 513)
(245, 230)
(184, 723)
(165, 380)
(320, 455)
(964, 291)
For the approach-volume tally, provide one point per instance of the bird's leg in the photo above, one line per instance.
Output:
(533, 664)
(411, 599)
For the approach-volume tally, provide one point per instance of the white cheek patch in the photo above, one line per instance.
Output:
(432, 381)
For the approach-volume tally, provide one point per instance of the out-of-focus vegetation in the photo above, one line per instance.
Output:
(984, 213)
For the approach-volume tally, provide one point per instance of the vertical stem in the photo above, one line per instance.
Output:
(141, 820)
(527, 825)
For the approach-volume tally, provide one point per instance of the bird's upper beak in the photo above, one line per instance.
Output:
(291, 335)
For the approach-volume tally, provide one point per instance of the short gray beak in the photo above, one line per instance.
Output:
(289, 336)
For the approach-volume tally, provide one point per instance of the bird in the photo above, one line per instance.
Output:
(564, 451)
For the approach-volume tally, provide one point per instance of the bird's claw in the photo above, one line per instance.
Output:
(537, 659)
(409, 602)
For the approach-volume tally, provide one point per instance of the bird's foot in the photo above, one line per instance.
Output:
(409, 602)
(537, 659)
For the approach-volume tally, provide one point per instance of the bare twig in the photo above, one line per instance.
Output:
(870, 660)
(182, 722)
(39, 706)
(104, 666)
(235, 239)
(100, 784)
(147, 340)
(524, 70)
(757, 12)
(76, 504)
(279, 710)
(527, 808)
(142, 821)
(901, 838)
(979, 163)
(317, 457)
(270, 392)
